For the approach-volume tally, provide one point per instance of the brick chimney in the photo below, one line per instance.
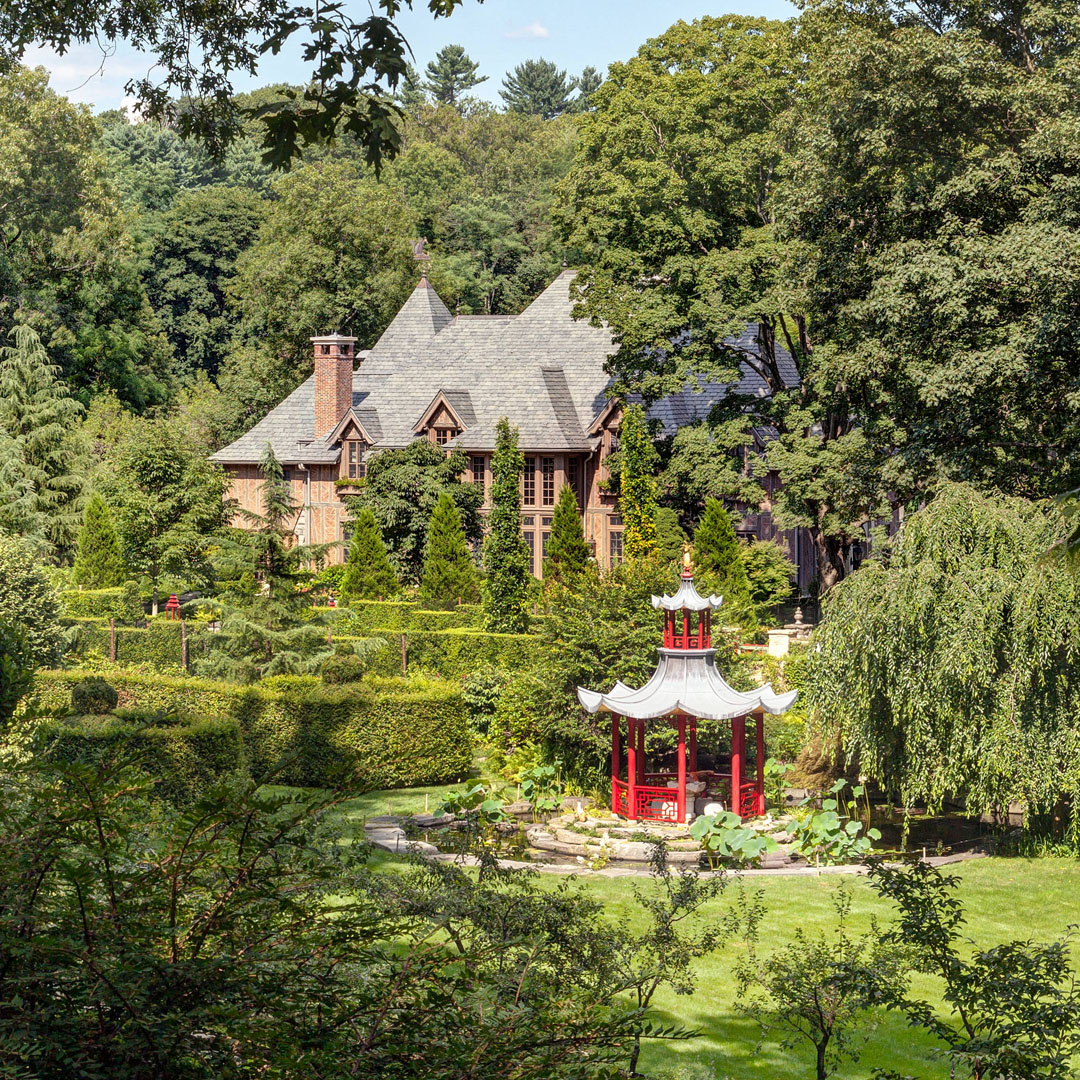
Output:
(334, 356)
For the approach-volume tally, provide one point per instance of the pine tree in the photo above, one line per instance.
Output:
(451, 74)
(538, 88)
(718, 564)
(266, 621)
(40, 448)
(567, 551)
(588, 83)
(368, 573)
(450, 576)
(411, 94)
(98, 562)
(637, 484)
(507, 559)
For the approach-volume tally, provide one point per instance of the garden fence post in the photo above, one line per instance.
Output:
(183, 644)
(404, 657)
(112, 640)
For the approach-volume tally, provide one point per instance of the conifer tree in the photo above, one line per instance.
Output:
(368, 573)
(506, 555)
(98, 562)
(450, 576)
(718, 564)
(538, 88)
(567, 551)
(40, 481)
(451, 74)
(266, 620)
(637, 480)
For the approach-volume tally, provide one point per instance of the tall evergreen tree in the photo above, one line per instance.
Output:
(451, 74)
(588, 83)
(506, 555)
(368, 573)
(718, 564)
(266, 624)
(40, 451)
(567, 551)
(637, 480)
(538, 88)
(450, 576)
(98, 561)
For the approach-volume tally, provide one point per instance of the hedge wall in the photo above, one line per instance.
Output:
(185, 758)
(103, 603)
(157, 644)
(365, 617)
(412, 733)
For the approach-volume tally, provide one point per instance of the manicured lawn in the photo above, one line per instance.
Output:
(1005, 898)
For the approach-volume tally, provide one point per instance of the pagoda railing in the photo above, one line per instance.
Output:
(620, 798)
(656, 803)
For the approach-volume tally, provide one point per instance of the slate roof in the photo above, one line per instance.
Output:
(542, 369)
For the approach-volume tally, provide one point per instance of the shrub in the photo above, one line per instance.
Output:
(94, 697)
(16, 669)
(28, 601)
(390, 733)
(184, 759)
(343, 668)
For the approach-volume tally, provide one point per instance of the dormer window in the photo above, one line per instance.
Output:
(354, 458)
(443, 435)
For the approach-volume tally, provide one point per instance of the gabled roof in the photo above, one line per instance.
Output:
(445, 399)
(353, 417)
(543, 369)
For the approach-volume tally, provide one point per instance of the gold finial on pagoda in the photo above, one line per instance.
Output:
(687, 560)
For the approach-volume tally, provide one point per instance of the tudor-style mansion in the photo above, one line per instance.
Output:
(434, 375)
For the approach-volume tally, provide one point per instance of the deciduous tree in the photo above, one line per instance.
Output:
(28, 602)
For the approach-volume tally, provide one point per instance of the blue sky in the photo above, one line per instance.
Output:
(498, 34)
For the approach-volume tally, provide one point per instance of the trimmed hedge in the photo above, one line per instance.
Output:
(365, 617)
(404, 734)
(454, 653)
(184, 759)
(157, 644)
(99, 603)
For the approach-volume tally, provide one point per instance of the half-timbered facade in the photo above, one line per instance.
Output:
(450, 379)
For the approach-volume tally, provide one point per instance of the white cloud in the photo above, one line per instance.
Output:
(533, 30)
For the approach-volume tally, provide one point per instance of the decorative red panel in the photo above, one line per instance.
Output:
(619, 802)
(657, 803)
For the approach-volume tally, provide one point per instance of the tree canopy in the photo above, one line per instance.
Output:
(949, 666)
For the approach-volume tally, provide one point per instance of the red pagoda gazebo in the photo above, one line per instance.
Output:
(685, 687)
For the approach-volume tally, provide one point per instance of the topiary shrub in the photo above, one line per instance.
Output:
(93, 697)
(343, 668)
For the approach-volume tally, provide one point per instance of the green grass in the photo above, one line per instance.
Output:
(1003, 898)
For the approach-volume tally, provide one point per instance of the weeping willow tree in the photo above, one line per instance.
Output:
(951, 667)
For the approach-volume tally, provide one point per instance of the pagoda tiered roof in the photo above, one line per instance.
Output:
(687, 598)
(686, 681)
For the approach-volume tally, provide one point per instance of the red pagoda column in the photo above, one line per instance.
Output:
(693, 745)
(641, 752)
(759, 800)
(615, 762)
(738, 750)
(631, 768)
(681, 801)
